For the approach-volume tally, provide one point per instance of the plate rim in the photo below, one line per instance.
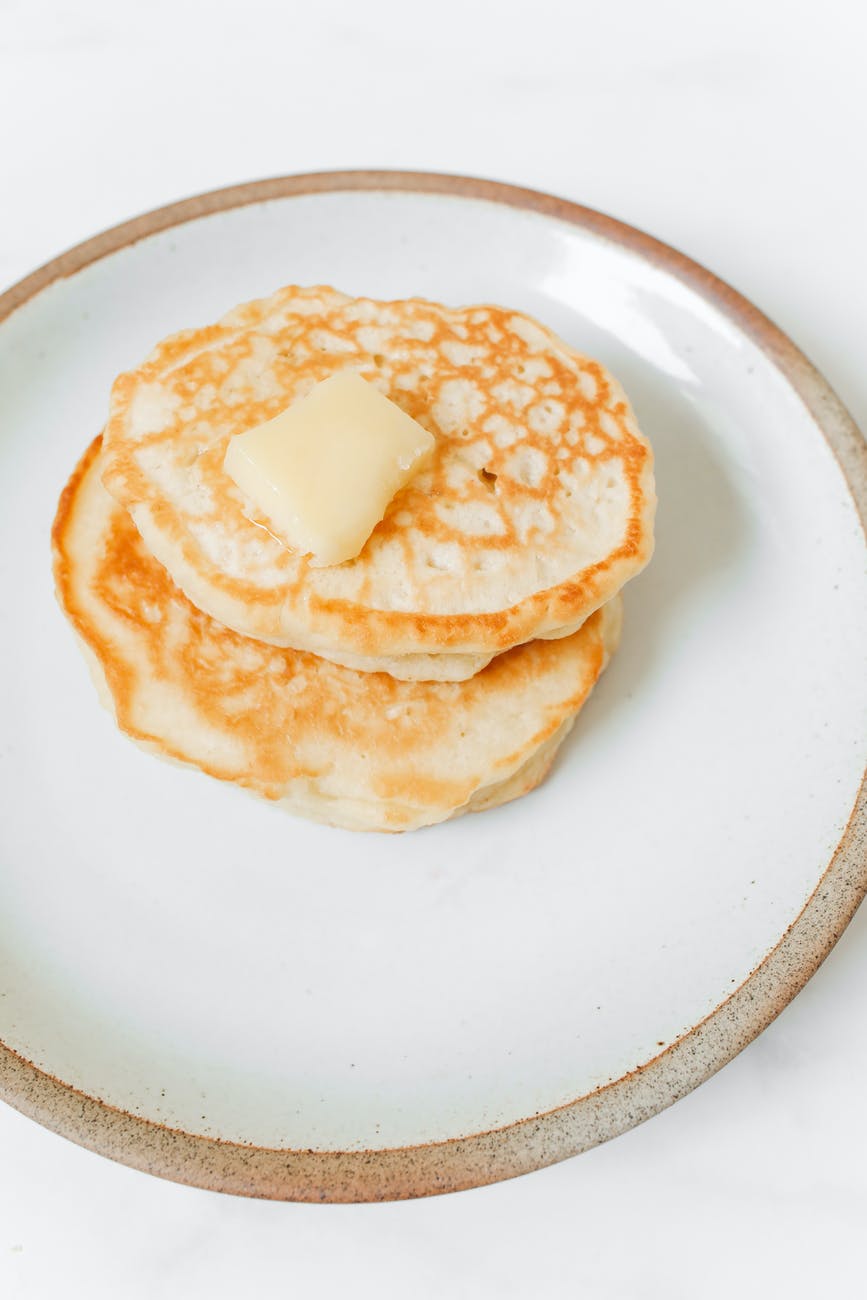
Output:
(588, 1120)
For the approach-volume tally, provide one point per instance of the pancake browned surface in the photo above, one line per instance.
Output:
(537, 507)
(356, 749)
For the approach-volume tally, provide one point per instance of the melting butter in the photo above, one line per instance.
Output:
(324, 471)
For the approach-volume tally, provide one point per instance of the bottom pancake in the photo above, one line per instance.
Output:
(355, 749)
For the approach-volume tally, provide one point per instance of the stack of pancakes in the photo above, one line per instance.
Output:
(434, 674)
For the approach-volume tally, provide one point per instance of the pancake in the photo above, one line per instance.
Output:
(537, 507)
(355, 749)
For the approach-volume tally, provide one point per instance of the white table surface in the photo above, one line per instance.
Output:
(734, 132)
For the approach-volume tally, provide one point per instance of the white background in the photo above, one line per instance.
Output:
(735, 132)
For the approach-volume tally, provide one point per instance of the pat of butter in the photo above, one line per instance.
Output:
(324, 470)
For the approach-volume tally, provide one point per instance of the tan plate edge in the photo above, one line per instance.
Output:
(589, 1120)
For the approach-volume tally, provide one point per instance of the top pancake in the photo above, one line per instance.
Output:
(537, 506)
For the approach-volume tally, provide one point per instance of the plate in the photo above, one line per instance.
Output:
(201, 986)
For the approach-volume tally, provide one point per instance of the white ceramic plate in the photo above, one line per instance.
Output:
(200, 985)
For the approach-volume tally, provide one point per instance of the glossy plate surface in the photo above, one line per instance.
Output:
(199, 985)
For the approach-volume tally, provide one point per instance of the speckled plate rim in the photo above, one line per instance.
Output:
(306, 1175)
